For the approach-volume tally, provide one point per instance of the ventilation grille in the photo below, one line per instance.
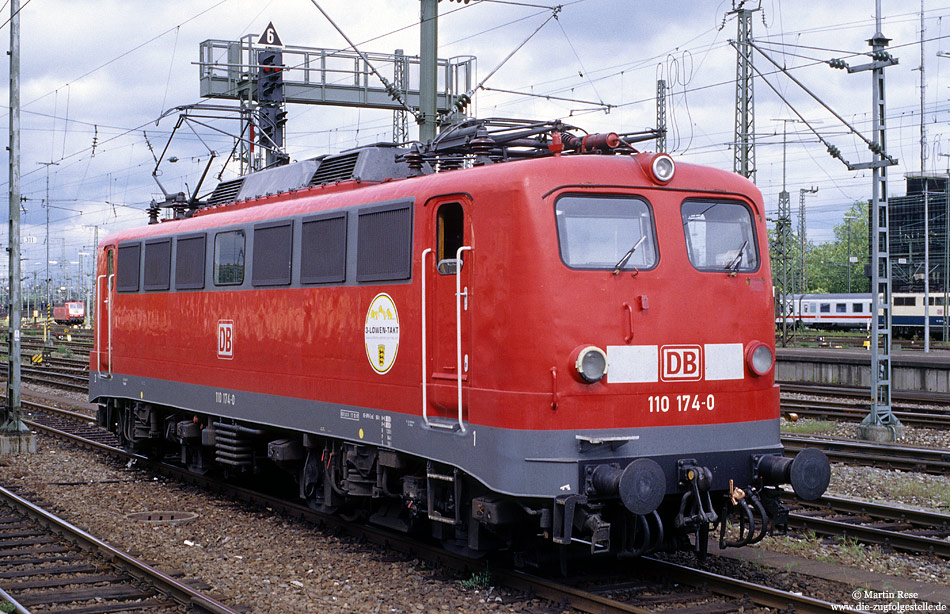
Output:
(226, 192)
(335, 168)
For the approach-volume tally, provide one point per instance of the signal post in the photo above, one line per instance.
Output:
(15, 437)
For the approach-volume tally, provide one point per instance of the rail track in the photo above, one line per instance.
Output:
(686, 588)
(647, 584)
(851, 340)
(826, 409)
(46, 562)
(861, 394)
(906, 529)
(52, 378)
(889, 456)
(47, 359)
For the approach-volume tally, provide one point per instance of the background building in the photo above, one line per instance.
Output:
(909, 240)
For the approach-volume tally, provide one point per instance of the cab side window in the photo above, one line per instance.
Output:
(720, 236)
(607, 232)
(451, 237)
(129, 263)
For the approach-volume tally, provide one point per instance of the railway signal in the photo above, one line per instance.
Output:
(270, 76)
(270, 96)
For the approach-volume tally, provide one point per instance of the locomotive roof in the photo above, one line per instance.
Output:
(375, 163)
(383, 171)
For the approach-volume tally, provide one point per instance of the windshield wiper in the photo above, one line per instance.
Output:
(623, 261)
(733, 266)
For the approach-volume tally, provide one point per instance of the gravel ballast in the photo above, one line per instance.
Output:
(256, 559)
(271, 563)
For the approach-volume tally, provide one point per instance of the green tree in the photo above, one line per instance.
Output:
(830, 265)
(839, 265)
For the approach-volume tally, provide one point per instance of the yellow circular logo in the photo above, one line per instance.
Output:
(381, 333)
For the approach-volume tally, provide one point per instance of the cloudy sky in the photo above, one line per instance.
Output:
(96, 74)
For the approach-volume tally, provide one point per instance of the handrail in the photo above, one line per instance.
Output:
(458, 325)
(629, 336)
(425, 401)
(98, 327)
(109, 285)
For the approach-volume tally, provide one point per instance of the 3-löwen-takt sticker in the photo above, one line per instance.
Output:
(381, 333)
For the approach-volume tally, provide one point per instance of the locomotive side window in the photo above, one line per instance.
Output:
(384, 243)
(158, 264)
(605, 232)
(109, 267)
(450, 237)
(229, 258)
(720, 236)
(127, 273)
(190, 263)
(272, 245)
(323, 249)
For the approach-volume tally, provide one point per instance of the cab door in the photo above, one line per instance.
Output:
(105, 298)
(448, 263)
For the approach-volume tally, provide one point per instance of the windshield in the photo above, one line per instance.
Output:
(720, 236)
(605, 232)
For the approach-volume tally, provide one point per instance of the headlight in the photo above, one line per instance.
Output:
(663, 168)
(590, 363)
(760, 358)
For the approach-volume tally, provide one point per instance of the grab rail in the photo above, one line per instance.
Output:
(109, 284)
(458, 325)
(98, 327)
(425, 401)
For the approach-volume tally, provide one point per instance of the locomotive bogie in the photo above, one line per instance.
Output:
(493, 355)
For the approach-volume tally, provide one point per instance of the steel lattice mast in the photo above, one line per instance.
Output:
(881, 414)
(400, 116)
(880, 424)
(744, 150)
(803, 237)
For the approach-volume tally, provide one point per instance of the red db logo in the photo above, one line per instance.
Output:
(681, 363)
(226, 339)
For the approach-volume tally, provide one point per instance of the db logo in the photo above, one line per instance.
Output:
(226, 339)
(681, 363)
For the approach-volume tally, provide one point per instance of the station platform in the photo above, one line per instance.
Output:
(912, 370)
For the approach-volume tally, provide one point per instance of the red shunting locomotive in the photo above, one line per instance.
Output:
(70, 312)
(509, 334)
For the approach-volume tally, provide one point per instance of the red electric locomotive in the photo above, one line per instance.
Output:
(71, 312)
(506, 335)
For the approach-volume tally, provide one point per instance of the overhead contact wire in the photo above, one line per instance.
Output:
(553, 15)
(810, 93)
(581, 63)
(393, 92)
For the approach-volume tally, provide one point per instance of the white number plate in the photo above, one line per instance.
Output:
(681, 402)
